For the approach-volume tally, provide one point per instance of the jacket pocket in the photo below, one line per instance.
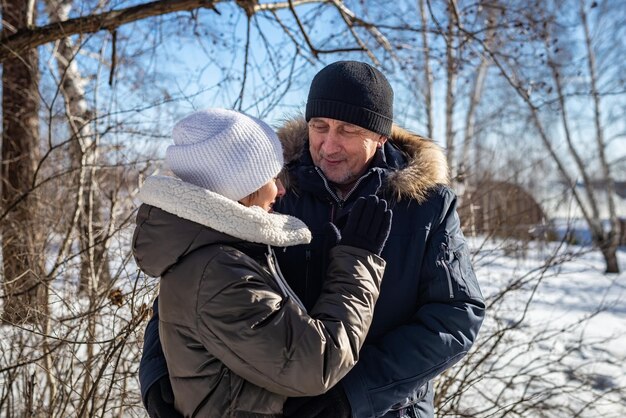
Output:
(448, 267)
(460, 278)
(467, 279)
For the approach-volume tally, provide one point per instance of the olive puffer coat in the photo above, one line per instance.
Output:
(236, 340)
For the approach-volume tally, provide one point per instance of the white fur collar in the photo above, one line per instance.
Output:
(207, 208)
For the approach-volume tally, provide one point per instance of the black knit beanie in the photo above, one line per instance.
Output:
(353, 92)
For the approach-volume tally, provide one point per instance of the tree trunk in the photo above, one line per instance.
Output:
(83, 149)
(25, 291)
(464, 169)
(606, 242)
(610, 249)
(451, 78)
(610, 258)
(428, 75)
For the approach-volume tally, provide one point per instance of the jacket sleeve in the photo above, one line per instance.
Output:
(393, 370)
(271, 341)
(152, 365)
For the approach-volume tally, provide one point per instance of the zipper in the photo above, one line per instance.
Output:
(280, 280)
(443, 262)
(328, 189)
(355, 186)
(340, 202)
(307, 256)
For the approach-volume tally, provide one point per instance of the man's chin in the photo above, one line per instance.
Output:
(332, 174)
(337, 179)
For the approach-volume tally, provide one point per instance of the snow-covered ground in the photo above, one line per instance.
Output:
(553, 343)
(555, 333)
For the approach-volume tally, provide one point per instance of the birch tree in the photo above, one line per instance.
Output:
(453, 51)
(428, 74)
(607, 240)
(75, 148)
(556, 90)
(476, 93)
(83, 153)
(22, 247)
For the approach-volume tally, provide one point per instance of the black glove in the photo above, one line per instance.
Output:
(368, 224)
(160, 400)
(332, 404)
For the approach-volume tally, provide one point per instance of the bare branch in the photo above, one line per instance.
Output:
(428, 75)
(113, 56)
(24, 39)
(284, 5)
(346, 18)
(314, 50)
(239, 102)
(372, 28)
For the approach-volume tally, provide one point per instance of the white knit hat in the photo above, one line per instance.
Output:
(225, 151)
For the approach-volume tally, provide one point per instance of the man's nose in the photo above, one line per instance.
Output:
(331, 143)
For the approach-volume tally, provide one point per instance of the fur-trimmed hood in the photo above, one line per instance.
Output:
(425, 166)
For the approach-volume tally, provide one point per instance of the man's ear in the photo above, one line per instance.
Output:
(381, 141)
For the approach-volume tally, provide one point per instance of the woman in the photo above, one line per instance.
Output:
(236, 339)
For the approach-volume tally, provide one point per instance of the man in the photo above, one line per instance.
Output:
(430, 307)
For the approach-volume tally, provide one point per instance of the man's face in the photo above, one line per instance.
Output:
(341, 150)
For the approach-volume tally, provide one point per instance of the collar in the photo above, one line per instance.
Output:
(310, 178)
(215, 211)
(413, 166)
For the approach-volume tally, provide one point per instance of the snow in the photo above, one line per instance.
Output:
(561, 324)
(553, 343)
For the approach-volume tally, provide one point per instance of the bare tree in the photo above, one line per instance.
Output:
(453, 51)
(608, 241)
(428, 75)
(549, 82)
(25, 293)
(22, 258)
(107, 102)
(83, 151)
(476, 92)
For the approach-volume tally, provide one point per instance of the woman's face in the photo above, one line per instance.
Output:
(265, 196)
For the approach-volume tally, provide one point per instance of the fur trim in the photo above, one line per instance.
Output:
(210, 209)
(426, 169)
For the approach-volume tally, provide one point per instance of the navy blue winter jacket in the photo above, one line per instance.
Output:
(430, 307)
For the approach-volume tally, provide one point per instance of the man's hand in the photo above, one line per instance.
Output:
(332, 404)
(160, 400)
(368, 224)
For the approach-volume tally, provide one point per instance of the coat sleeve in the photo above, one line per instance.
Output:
(270, 341)
(392, 370)
(152, 366)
